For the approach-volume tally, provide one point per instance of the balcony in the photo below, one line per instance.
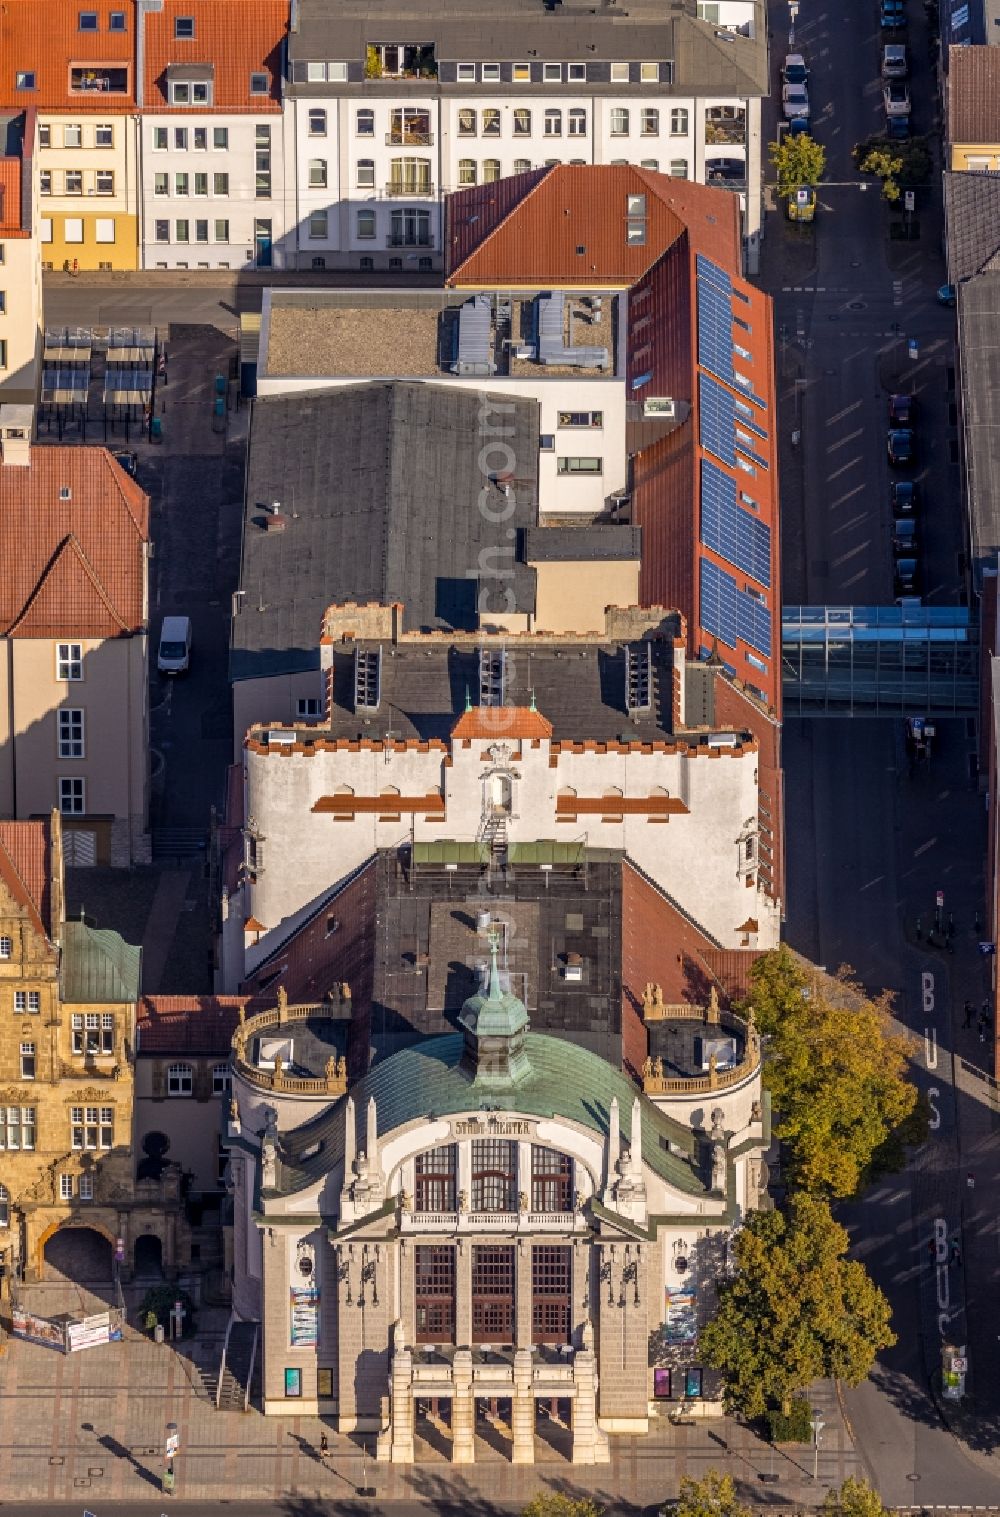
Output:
(409, 240)
(674, 1068)
(98, 79)
(725, 130)
(404, 60)
(401, 189)
(410, 136)
(565, 1222)
(315, 1067)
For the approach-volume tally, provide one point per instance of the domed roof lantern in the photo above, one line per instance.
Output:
(494, 1023)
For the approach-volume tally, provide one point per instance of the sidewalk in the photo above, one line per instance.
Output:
(91, 1426)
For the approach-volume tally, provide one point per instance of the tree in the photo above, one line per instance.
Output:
(836, 1072)
(794, 1311)
(797, 160)
(885, 165)
(854, 1499)
(714, 1496)
(558, 1504)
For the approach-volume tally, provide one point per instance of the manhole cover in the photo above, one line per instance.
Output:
(856, 305)
(913, 1478)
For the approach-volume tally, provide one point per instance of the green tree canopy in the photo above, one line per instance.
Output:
(713, 1496)
(836, 1072)
(558, 1504)
(798, 159)
(795, 1310)
(885, 165)
(854, 1499)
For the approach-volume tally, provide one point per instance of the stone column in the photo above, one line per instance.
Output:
(401, 1381)
(590, 1443)
(522, 1415)
(463, 1410)
(522, 1293)
(463, 1293)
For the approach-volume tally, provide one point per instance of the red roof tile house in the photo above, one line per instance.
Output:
(21, 309)
(74, 543)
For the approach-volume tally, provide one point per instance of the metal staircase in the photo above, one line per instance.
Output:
(236, 1372)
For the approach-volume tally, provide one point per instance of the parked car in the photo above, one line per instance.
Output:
(798, 126)
(905, 537)
(901, 410)
(795, 101)
(896, 97)
(897, 128)
(895, 64)
(174, 655)
(906, 578)
(946, 295)
(892, 14)
(794, 70)
(802, 204)
(899, 445)
(904, 497)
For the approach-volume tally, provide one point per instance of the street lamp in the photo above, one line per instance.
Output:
(816, 1427)
(173, 1444)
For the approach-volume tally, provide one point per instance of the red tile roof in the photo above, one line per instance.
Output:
(499, 722)
(10, 198)
(71, 567)
(25, 867)
(237, 37)
(528, 230)
(46, 40)
(187, 1024)
(974, 94)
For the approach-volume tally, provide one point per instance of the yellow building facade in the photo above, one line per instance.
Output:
(89, 192)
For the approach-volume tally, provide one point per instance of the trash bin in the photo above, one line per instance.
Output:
(156, 429)
(158, 1334)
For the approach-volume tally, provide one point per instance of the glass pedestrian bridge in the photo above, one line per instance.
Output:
(879, 661)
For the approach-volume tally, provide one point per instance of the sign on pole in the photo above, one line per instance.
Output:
(940, 897)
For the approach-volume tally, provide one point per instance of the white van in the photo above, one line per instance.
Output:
(174, 656)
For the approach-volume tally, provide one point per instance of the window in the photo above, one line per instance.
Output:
(552, 73)
(436, 1176)
(45, 135)
(650, 163)
(24, 80)
(619, 122)
(6, 947)
(71, 796)
(104, 135)
(220, 184)
(581, 418)
(183, 27)
(317, 173)
(222, 231)
(366, 174)
(635, 233)
(201, 231)
(318, 224)
(366, 223)
(491, 121)
(679, 121)
(709, 10)
(201, 184)
(491, 170)
(465, 73)
(86, 1187)
(161, 184)
(162, 230)
(259, 84)
(490, 73)
(45, 182)
(521, 165)
(551, 1180)
(201, 94)
(180, 1080)
(71, 733)
(27, 1001)
(160, 139)
(578, 122)
(180, 94)
(493, 1294)
(619, 73)
(72, 135)
(66, 1187)
(366, 264)
(522, 122)
(466, 122)
(317, 123)
(92, 1127)
(579, 465)
(87, 21)
(116, 21)
(73, 182)
(27, 1061)
(553, 123)
(220, 138)
(180, 139)
(93, 1032)
(493, 1175)
(17, 1127)
(410, 229)
(649, 73)
(4, 1206)
(365, 124)
(181, 230)
(434, 1293)
(221, 1080)
(576, 73)
(181, 184)
(650, 122)
(550, 1294)
(69, 661)
(678, 168)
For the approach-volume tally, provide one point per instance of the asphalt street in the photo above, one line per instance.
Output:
(870, 840)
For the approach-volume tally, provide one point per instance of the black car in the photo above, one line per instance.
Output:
(897, 128)
(899, 445)
(903, 497)
(901, 408)
(904, 537)
(906, 576)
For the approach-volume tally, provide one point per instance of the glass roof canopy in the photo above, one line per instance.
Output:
(879, 660)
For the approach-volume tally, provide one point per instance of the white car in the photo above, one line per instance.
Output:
(896, 98)
(795, 101)
(794, 70)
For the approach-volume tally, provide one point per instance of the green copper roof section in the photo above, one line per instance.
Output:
(98, 966)
(426, 1081)
(494, 1013)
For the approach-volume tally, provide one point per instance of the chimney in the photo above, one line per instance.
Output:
(17, 423)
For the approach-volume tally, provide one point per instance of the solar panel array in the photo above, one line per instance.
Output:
(728, 613)
(715, 319)
(716, 419)
(729, 530)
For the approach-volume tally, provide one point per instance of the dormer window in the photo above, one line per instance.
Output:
(190, 83)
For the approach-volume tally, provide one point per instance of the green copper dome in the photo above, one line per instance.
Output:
(494, 1023)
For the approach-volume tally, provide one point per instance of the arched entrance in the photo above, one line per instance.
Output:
(148, 1257)
(80, 1255)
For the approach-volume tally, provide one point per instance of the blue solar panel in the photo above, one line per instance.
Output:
(718, 602)
(730, 531)
(717, 419)
(753, 622)
(715, 319)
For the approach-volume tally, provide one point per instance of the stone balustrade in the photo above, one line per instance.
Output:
(331, 1083)
(712, 1016)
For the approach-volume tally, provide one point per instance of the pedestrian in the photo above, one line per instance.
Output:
(970, 1181)
(324, 1445)
(956, 1252)
(986, 1009)
(982, 1030)
(968, 1014)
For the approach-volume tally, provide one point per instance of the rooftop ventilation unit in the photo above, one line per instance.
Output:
(492, 676)
(639, 677)
(367, 679)
(475, 346)
(551, 329)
